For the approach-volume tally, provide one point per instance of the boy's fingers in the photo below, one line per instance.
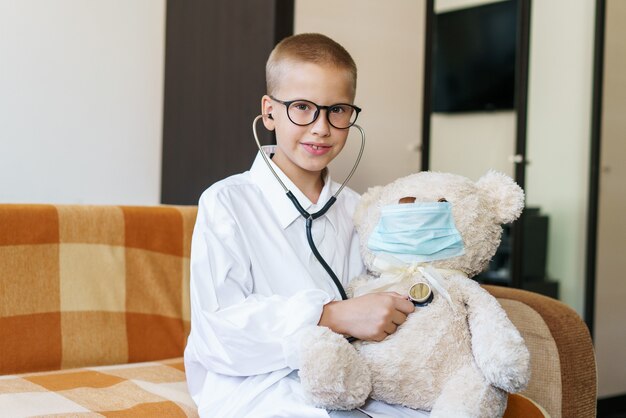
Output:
(390, 328)
(404, 305)
(398, 318)
(401, 303)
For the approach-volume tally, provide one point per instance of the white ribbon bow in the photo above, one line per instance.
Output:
(393, 271)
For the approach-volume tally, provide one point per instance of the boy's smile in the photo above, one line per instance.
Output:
(316, 149)
(304, 151)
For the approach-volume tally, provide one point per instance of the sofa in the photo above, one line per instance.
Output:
(94, 314)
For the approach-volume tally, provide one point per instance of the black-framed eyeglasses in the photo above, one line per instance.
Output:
(304, 112)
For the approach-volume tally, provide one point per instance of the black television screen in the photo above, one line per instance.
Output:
(474, 58)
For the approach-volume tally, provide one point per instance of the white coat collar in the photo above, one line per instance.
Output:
(285, 211)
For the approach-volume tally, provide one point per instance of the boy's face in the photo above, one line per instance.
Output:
(304, 151)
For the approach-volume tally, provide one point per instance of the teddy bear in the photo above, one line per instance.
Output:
(458, 354)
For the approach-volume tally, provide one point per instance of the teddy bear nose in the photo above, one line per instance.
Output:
(443, 199)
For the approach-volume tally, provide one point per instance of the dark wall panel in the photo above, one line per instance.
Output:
(215, 55)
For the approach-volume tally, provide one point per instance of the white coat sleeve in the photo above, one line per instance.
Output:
(234, 331)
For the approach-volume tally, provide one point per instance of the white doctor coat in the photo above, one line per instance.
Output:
(254, 285)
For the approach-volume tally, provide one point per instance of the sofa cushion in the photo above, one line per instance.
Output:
(149, 389)
(92, 285)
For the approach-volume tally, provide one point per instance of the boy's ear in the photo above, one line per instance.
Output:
(266, 110)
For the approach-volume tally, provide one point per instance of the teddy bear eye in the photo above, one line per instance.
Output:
(443, 199)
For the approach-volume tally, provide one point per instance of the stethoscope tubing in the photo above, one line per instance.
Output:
(311, 216)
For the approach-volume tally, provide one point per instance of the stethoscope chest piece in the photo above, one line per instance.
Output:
(421, 294)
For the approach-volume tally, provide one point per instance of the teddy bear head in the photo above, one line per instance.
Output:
(478, 210)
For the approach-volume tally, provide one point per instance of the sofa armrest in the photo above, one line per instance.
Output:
(563, 378)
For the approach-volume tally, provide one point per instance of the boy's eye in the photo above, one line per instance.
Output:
(303, 106)
(337, 109)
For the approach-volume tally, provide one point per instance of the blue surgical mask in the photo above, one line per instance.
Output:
(417, 232)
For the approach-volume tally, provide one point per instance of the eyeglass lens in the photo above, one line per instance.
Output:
(303, 112)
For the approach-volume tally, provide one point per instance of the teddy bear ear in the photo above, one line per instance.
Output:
(505, 196)
(372, 194)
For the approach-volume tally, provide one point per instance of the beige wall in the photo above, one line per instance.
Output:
(386, 39)
(81, 96)
(610, 310)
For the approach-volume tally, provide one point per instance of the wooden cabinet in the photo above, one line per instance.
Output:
(215, 54)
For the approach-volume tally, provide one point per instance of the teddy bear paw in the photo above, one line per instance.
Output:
(331, 371)
(514, 375)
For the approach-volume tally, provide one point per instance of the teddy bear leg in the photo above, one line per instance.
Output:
(331, 371)
(468, 395)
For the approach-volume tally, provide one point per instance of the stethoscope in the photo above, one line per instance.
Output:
(311, 216)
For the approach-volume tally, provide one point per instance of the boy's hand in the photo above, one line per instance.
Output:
(370, 317)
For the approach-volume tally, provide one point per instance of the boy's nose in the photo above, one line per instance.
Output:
(321, 126)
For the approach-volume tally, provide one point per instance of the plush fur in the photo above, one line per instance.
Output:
(456, 360)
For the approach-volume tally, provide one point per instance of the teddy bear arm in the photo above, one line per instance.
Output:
(498, 347)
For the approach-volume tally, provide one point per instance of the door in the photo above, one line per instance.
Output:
(610, 310)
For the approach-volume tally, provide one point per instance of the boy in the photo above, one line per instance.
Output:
(254, 280)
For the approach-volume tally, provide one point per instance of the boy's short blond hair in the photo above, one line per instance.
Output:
(307, 48)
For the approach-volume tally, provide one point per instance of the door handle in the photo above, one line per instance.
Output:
(517, 159)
